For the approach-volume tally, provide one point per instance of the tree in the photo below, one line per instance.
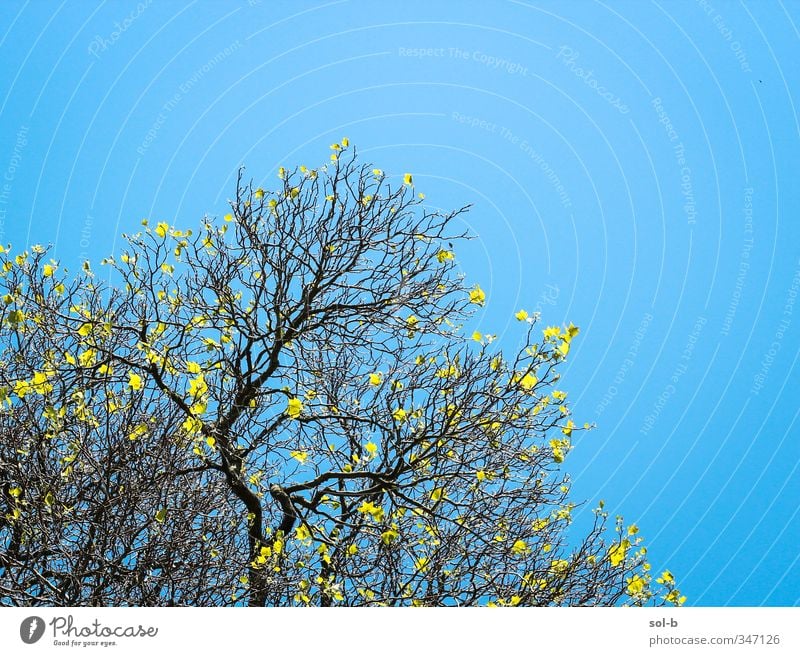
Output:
(284, 408)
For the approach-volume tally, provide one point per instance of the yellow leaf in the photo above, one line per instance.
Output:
(539, 524)
(635, 585)
(521, 315)
(399, 415)
(674, 597)
(300, 456)
(161, 515)
(371, 448)
(134, 381)
(192, 425)
(616, 553)
(369, 508)
(48, 270)
(137, 432)
(477, 296)
(375, 379)
(519, 547)
(87, 358)
(161, 229)
(198, 386)
(572, 330)
(294, 408)
(551, 332)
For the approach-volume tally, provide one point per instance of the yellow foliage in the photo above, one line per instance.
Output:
(294, 408)
(134, 381)
(477, 296)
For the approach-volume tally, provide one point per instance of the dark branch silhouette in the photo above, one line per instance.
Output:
(284, 408)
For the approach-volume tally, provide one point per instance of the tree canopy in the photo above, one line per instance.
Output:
(284, 407)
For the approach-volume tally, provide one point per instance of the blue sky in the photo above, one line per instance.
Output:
(631, 165)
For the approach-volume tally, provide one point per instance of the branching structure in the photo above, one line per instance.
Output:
(282, 409)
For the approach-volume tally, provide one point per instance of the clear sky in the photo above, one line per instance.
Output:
(632, 168)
